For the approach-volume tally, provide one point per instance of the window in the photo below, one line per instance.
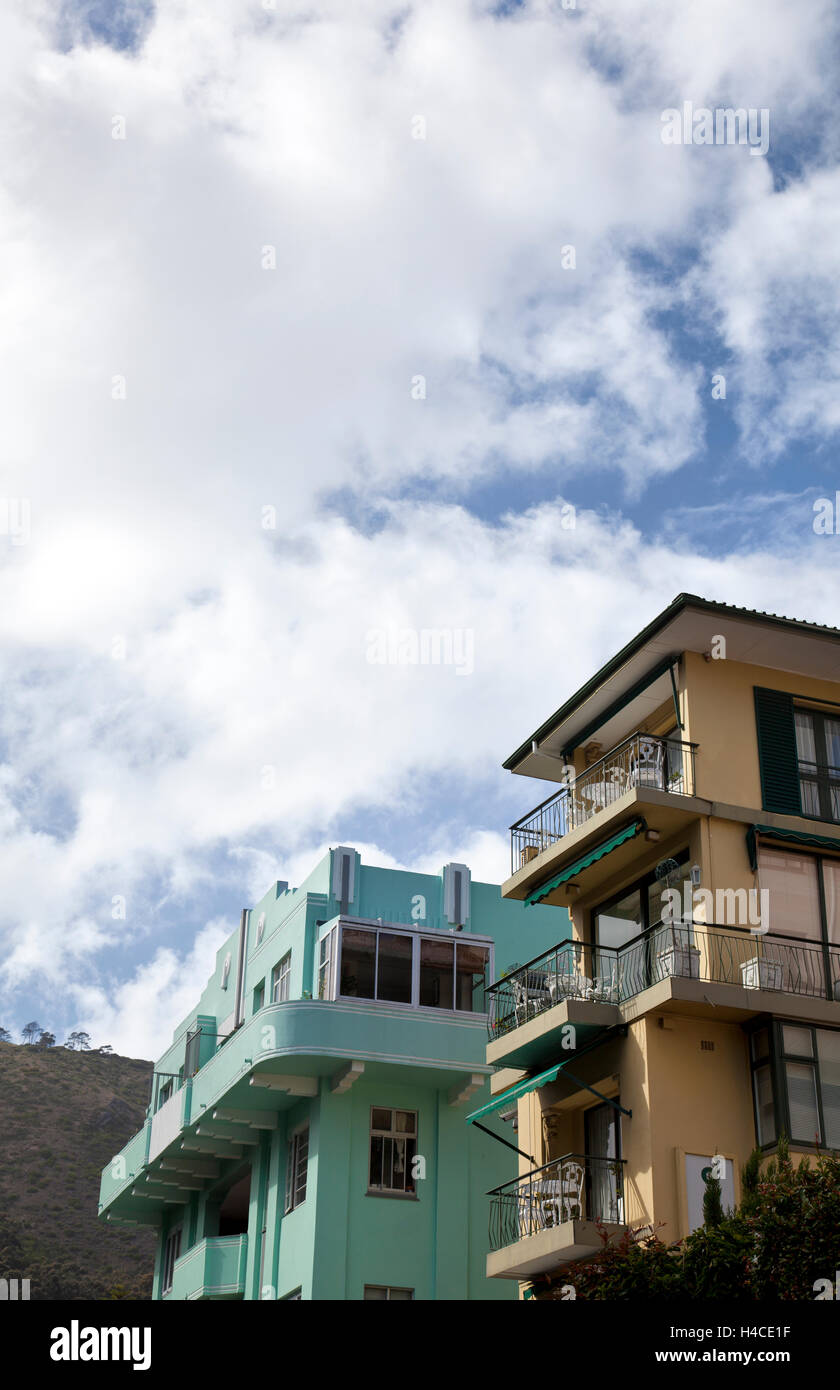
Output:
(165, 1093)
(382, 1293)
(191, 1052)
(632, 915)
(435, 972)
(325, 965)
(765, 1110)
(818, 758)
(470, 976)
(393, 1144)
(638, 907)
(393, 967)
(358, 963)
(280, 979)
(804, 904)
(171, 1252)
(297, 1162)
(259, 997)
(793, 884)
(796, 1084)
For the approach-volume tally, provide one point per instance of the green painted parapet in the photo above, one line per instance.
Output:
(124, 1168)
(214, 1268)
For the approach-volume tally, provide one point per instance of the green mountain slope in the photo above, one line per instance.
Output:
(63, 1115)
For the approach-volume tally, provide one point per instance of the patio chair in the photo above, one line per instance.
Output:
(571, 1191)
(530, 994)
(646, 764)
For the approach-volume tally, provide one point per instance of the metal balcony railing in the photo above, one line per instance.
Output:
(641, 761)
(699, 951)
(576, 1187)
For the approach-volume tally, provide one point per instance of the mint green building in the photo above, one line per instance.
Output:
(306, 1132)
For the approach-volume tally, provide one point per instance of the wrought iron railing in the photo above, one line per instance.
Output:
(611, 975)
(641, 761)
(576, 1187)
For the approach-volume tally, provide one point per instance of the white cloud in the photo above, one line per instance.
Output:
(244, 649)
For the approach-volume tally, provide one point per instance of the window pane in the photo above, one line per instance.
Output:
(471, 965)
(802, 1102)
(765, 1117)
(831, 885)
(832, 742)
(401, 1295)
(381, 1119)
(375, 1295)
(301, 1166)
(828, 1049)
(621, 922)
(358, 958)
(806, 748)
(809, 793)
(375, 1175)
(760, 1044)
(406, 1122)
(791, 880)
(437, 975)
(394, 977)
(797, 1041)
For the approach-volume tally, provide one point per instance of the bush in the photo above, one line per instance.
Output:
(784, 1236)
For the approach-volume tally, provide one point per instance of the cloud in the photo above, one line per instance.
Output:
(189, 710)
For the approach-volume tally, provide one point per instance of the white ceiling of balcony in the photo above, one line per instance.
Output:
(748, 640)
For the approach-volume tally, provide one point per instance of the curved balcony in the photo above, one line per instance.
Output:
(213, 1268)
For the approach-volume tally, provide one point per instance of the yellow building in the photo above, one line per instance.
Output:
(693, 1012)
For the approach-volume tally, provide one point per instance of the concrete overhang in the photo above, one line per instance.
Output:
(662, 811)
(543, 1252)
(538, 1042)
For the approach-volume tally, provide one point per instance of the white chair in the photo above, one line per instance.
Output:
(646, 764)
(530, 994)
(571, 1191)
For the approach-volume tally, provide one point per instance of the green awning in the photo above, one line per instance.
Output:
(532, 1083)
(794, 837)
(584, 862)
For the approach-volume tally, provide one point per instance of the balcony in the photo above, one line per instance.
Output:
(598, 984)
(214, 1268)
(553, 1214)
(642, 761)
(282, 1053)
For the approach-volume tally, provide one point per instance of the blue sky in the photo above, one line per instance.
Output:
(294, 355)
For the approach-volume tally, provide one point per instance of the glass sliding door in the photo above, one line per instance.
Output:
(631, 926)
(602, 1141)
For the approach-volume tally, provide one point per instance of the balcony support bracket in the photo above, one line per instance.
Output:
(607, 1099)
(500, 1140)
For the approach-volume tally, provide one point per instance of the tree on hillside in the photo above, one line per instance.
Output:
(46, 1039)
(29, 1030)
(106, 1051)
(78, 1041)
(5, 1035)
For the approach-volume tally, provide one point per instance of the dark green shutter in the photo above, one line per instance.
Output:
(777, 751)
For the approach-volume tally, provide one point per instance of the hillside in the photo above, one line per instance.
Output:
(63, 1115)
